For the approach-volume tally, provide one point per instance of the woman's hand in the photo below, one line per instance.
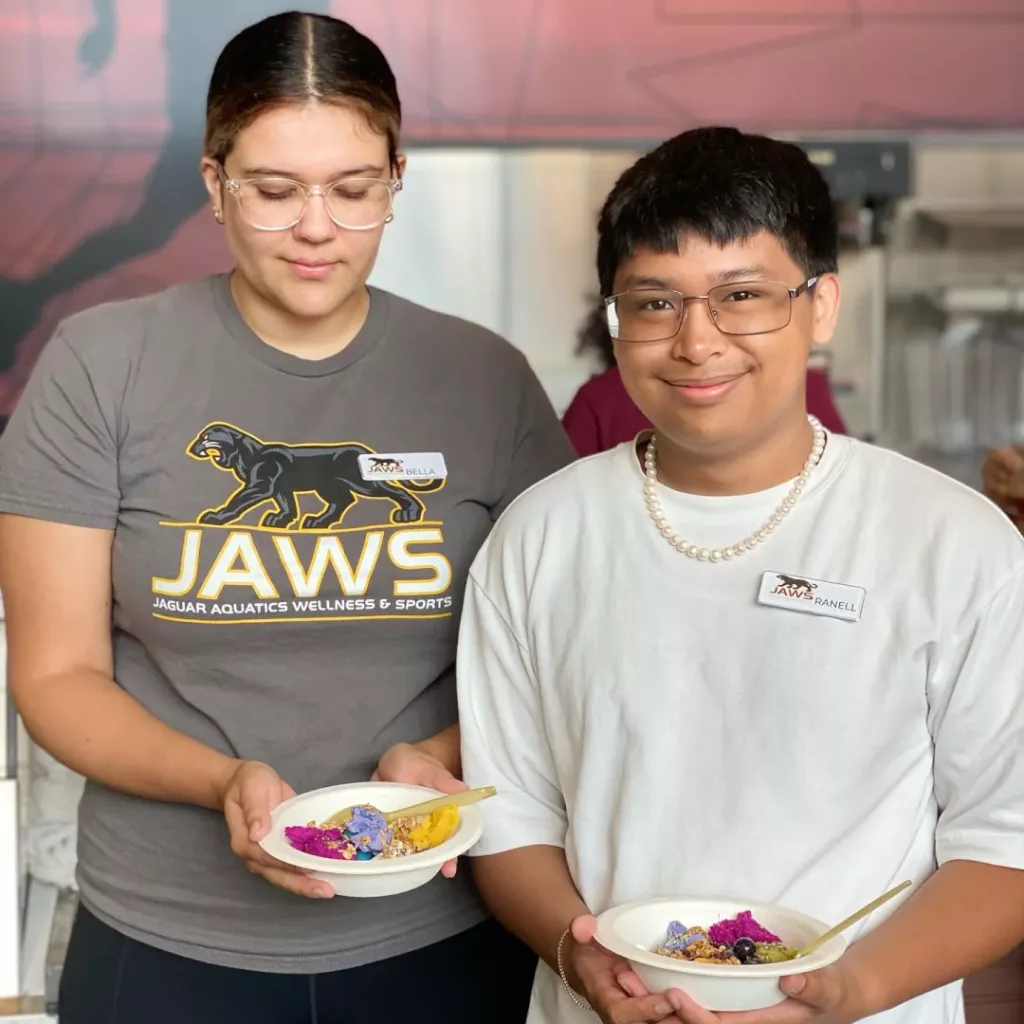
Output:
(607, 981)
(416, 765)
(248, 797)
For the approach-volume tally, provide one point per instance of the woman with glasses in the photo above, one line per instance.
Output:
(237, 521)
(743, 656)
(601, 414)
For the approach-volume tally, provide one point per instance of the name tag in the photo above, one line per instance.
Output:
(816, 597)
(403, 466)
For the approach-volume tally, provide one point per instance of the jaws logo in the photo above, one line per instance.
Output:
(266, 554)
(793, 586)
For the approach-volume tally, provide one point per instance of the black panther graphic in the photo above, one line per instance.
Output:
(802, 587)
(382, 464)
(280, 472)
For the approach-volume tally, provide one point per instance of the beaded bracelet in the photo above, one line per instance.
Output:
(581, 1003)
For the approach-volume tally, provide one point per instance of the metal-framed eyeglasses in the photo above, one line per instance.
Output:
(277, 204)
(643, 315)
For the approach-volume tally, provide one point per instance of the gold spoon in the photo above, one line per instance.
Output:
(461, 799)
(852, 919)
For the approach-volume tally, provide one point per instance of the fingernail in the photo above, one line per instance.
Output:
(323, 894)
(793, 985)
(662, 1009)
(677, 1003)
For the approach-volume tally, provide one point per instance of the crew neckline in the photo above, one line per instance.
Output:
(727, 508)
(365, 339)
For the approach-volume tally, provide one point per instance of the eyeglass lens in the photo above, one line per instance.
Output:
(279, 203)
(654, 315)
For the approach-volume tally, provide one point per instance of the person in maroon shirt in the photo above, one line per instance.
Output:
(602, 415)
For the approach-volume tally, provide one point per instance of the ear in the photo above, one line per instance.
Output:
(210, 170)
(400, 163)
(826, 297)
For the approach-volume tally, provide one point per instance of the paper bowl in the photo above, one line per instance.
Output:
(385, 877)
(634, 929)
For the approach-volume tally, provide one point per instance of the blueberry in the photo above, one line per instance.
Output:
(745, 951)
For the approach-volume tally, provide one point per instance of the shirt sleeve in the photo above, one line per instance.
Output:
(58, 454)
(976, 706)
(541, 445)
(503, 739)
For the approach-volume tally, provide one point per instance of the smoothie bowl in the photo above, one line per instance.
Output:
(361, 853)
(724, 954)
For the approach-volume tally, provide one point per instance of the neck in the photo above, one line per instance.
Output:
(746, 468)
(304, 337)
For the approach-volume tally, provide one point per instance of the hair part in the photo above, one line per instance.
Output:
(298, 58)
(723, 186)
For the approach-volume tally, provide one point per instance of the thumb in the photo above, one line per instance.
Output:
(583, 929)
(443, 781)
(819, 989)
(256, 801)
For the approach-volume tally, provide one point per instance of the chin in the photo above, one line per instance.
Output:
(313, 300)
(702, 428)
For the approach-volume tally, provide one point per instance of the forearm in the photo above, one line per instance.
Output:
(966, 916)
(88, 722)
(531, 892)
(446, 746)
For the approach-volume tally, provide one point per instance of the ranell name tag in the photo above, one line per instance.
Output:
(816, 597)
(403, 466)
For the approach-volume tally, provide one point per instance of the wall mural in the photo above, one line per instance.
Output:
(101, 105)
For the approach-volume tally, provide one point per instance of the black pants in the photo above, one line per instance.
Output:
(483, 976)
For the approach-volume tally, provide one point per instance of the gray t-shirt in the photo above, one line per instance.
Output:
(276, 594)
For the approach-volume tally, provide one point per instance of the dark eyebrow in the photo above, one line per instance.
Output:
(751, 273)
(366, 170)
(637, 281)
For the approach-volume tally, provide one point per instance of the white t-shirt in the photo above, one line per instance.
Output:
(677, 737)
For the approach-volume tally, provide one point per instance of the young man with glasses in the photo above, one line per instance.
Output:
(743, 656)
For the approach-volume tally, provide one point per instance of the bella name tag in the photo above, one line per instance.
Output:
(403, 466)
(816, 597)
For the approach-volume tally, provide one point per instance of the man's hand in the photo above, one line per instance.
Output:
(417, 765)
(249, 796)
(607, 981)
(828, 996)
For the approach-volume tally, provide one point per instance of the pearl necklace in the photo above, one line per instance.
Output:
(657, 513)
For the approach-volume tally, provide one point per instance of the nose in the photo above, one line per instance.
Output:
(315, 224)
(698, 338)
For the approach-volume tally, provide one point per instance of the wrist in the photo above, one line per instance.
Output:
(220, 779)
(444, 747)
(566, 965)
(863, 990)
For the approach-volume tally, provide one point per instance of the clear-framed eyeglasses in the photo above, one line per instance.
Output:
(277, 204)
(643, 315)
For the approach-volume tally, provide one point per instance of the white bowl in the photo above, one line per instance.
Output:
(632, 931)
(382, 877)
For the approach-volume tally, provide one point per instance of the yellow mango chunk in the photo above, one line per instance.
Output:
(435, 828)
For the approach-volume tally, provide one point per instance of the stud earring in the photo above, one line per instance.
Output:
(389, 218)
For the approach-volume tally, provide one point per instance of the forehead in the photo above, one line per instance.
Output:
(314, 142)
(700, 263)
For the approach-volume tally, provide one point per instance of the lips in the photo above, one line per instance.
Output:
(313, 270)
(706, 382)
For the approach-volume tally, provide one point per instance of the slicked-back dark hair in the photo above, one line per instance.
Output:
(296, 57)
(724, 186)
